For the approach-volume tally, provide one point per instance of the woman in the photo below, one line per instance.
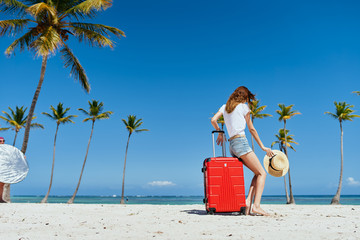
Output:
(236, 115)
(2, 141)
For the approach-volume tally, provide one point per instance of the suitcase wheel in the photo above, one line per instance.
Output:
(211, 211)
(242, 210)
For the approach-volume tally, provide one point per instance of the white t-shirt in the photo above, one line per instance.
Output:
(235, 121)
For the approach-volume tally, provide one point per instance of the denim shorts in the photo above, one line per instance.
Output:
(239, 146)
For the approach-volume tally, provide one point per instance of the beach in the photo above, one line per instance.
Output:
(109, 221)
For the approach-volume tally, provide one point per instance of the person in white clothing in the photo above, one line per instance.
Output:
(2, 141)
(236, 114)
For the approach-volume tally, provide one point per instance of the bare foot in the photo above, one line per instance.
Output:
(248, 207)
(259, 212)
(247, 210)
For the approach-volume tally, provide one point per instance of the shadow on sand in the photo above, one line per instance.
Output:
(203, 212)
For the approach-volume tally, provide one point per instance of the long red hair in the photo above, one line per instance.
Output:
(240, 95)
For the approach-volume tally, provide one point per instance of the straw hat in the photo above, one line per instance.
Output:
(278, 165)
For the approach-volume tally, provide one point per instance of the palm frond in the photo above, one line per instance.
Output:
(356, 92)
(67, 119)
(4, 129)
(48, 42)
(88, 8)
(263, 115)
(92, 37)
(125, 122)
(22, 42)
(332, 115)
(13, 7)
(87, 119)
(142, 130)
(84, 111)
(37, 125)
(76, 69)
(42, 9)
(350, 117)
(104, 115)
(48, 115)
(7, 115)
(13, 26)
(99, 28)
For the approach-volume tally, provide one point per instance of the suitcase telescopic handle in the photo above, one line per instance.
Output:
(223, 145)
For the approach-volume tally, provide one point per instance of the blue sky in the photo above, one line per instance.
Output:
(178, 64)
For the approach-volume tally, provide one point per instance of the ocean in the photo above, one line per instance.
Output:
(184, 200)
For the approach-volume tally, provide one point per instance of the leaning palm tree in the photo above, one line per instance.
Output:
(17, 120)
(286, 113)
(59, 115)
(95, 113)
(343, 113)
(221, 121)
(48, 24)
(281, 141)
(132, 125)
(255, 111)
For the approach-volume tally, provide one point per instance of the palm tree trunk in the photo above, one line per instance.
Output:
(336, 198)
(71, 200)
(33, 104)
(16, 133)
(286, 190)
(123, 181)
(252, 139)
(52, 168)
(292, 199)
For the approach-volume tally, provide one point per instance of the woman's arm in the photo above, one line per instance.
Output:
(214, 120)
(256, 135)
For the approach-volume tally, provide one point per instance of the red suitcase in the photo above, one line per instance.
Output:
(223, 183)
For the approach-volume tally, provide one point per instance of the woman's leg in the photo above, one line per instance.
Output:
(250, 196)
(252, 162)
(1, 192)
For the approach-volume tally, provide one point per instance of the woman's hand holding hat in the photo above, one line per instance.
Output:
(268, 151)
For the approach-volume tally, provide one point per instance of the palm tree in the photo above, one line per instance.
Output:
(17, 120)
(357, 92)
(343, 113)
(255, 111)
(285, 114)
(221, 121)
(49, 23)
(59, 115)
(281, 141)
(132, 125)
(95, 113)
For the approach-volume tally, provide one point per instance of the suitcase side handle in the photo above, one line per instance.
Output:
(223, 145)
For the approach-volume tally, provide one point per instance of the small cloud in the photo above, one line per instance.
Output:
(352, 182)
(161, 183)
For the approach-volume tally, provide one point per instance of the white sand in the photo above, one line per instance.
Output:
(62, 221)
